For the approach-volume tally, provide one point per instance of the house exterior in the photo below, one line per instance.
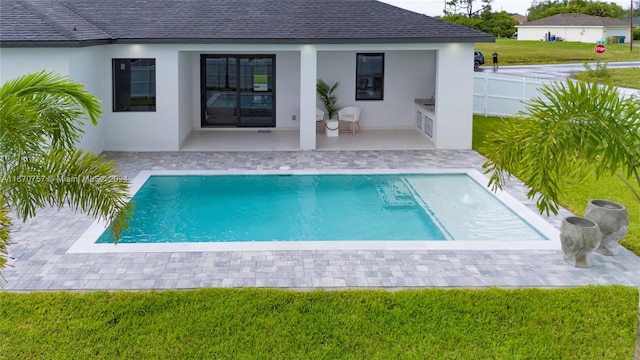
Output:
(573, 27)
(166, 68)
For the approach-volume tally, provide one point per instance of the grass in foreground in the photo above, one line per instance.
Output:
(514, 52)
(629, 77)
(576, 194)
(577, 323)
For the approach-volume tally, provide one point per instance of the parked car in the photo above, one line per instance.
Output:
(478, 59)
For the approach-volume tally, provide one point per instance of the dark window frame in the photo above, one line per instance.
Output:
(238, 90)
(123, 82)
(369, 85)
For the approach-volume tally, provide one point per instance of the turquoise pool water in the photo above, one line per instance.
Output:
(231, 208)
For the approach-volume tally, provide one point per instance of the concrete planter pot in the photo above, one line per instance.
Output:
(331, 127)
(579, 237)
(613, 220)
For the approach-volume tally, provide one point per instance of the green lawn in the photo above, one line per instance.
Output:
(626, 77)
(629, 77)
(576, 194)
(577, 323)
(514, 52)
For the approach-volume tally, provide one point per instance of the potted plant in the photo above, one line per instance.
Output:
(329, 99)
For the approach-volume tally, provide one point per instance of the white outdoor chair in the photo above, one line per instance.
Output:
(319, 120)
(350, 115)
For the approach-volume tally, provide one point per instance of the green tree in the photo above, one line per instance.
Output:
(466, 7)
(40, 166)
(574, 128)
(546, 8)
(499, 24)
(473, 22)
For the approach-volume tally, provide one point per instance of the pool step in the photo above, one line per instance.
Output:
(396, 195)
(400, 190)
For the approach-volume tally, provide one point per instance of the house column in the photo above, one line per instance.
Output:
(308, 75)
(454, 97)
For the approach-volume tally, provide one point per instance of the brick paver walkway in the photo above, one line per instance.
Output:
(41, 262)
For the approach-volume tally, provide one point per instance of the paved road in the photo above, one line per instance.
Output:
(554, 71)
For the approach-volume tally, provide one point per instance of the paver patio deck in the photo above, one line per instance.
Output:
(41, 262)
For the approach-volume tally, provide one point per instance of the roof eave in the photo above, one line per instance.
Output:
(289, 41)
(86, 43)
(55, 43)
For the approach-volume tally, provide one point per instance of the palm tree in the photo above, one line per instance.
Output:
(575, 127)
(40, 166)
(328, 97)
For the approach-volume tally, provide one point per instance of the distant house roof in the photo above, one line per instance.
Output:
(576, 20)
(636, 21)
(85, 22)
(519, 18)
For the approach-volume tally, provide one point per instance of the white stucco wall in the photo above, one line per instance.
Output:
(585, 34)
(85, 66)
(619, 31)
(287, 89)
(454, 92)
(80, 64)
(410, 72)
(144, 130)
(186, 110)
(407, 75)
(19, 61)
(577, 34)
(307, 97)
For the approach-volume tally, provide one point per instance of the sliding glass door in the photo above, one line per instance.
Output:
(238, 90)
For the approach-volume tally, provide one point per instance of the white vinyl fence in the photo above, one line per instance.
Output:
(503, 95)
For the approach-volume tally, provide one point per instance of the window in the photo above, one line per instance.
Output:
(134, 84)
(370, 77)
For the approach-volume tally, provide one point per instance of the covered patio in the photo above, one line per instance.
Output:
(289, 140)
(211, 69)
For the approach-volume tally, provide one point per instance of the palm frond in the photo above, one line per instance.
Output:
(328, 97)
(572, 124)
(40, 124)
(82, 181)
(5, 227)
(45, 108)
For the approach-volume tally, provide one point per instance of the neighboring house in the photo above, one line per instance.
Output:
(636, 21)
(165, 68)
(573, 27)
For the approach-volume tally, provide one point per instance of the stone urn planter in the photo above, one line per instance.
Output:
(613, 220)
(579, 237)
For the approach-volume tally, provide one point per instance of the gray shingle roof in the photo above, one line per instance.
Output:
(222, 21)
(576, 20)
(44, 20)
(636, 21)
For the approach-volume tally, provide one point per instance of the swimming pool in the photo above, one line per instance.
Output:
(451, 207)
